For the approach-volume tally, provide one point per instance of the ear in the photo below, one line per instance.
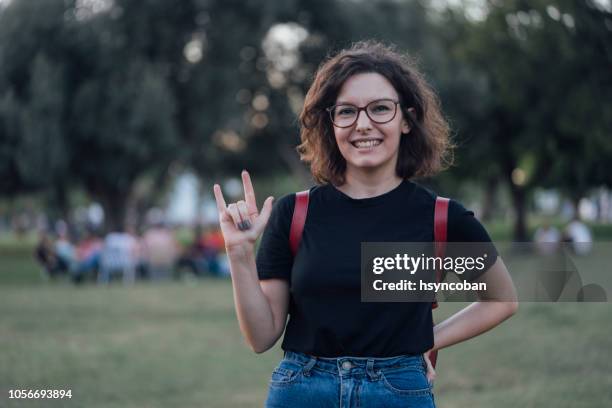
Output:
(405, 124)
(405, 127)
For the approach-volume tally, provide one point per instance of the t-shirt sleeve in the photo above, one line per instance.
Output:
(464, 227)
(274, 258)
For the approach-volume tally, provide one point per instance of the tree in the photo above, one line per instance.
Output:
(527, 122)
(95, 107)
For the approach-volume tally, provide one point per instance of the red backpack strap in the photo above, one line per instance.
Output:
(440, 238)
(440, 226)
(299, 219)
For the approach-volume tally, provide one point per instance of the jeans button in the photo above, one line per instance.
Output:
(347, 365)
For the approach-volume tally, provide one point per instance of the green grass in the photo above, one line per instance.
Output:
(178, 344)
(154, 346)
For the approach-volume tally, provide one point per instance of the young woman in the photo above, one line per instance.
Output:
(370, 124)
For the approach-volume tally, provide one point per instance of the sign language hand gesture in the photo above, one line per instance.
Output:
(241, 222)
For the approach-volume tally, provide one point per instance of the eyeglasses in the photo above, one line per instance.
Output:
(379, 111)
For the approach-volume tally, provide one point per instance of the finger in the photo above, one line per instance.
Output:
(266, 210)
(221, 206)
(244, 214)
(431, 375)
(428, 365)
(233, 211)
(431, 372)
(249, 194)
(224, 215)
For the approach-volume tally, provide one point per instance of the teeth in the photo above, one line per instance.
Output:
(367, 143)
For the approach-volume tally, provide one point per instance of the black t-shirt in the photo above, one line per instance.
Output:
(326, 315)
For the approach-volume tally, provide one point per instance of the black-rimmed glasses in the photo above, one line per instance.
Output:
(379, 111)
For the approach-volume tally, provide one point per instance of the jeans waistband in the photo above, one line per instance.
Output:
(338, 364)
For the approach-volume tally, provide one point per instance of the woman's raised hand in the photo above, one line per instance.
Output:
(241, 222)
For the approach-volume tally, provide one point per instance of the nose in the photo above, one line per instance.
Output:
(363, 121)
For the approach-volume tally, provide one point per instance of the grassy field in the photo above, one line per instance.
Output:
(178, 344)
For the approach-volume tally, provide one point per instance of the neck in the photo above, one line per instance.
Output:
(365, 184)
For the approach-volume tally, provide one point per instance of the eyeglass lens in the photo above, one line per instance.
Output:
(380, 111)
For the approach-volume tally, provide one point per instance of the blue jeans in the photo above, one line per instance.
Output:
(301, 380)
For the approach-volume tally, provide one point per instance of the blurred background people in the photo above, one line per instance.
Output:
(64, 249)
(44, 253)
(579, 235)
(205, 256)
(88, 251)
(547, 238)
(119, 255)
(160, 251)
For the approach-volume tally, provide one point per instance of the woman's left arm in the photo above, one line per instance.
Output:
(495, 305)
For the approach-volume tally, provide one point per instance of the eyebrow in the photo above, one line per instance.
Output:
(354, 104)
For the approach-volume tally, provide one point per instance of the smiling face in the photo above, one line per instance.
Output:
(367, 145)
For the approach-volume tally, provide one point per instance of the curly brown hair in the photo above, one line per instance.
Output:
(425, 153)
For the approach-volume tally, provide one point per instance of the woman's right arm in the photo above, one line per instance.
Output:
(261, 306)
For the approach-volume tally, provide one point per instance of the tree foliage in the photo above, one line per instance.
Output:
(99, 94)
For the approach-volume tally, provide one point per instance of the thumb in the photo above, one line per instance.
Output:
(266, 210)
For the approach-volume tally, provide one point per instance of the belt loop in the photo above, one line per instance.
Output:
(311, 363)
(370, 370)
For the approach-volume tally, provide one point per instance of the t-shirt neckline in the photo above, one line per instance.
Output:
(376, 200)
